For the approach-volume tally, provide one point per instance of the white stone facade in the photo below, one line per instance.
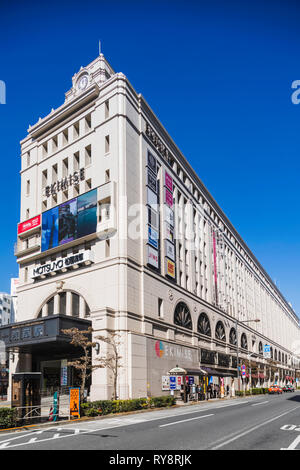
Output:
(107, 129)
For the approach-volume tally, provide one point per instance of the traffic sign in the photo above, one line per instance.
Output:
(267, 351)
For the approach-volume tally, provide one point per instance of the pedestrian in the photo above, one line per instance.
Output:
(227, 389)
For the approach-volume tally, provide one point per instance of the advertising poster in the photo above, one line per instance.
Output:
(152, 163)
(170, 250)
(168, 198)
(87, 213)
(170, 268)
(165, 382)
(50, 229)
(169, 216)
(153, 237)
(169, 233)
(151, 181)
(29, 224)
(153, 218)
(71, 220)
(67, 221)
(152, 257)
(151, 198)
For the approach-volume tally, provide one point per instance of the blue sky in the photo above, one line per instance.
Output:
(217, 74)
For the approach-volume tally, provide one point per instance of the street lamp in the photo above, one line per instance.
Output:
(256, 320)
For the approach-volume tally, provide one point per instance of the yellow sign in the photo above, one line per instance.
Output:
(170, 268)
(75, 402)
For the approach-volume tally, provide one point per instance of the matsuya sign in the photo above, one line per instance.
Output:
(62, 264)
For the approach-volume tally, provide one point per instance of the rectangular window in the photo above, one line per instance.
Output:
(106, 109)
(160, 308)
(27, 187)
(75, 305)
(107, 144)
(65, 137)
(88, 155)
(62, 303)
(76, 130)
(44, 178)
(65, 167)
(107, 248)
(54, 143)
(76, 161)
(50, 307)
(88, 122)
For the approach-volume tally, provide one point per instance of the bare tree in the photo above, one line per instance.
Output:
(81, 339)
(112, 358)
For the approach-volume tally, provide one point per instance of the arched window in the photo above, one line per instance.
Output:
(275, 354)
(76, 302)
(279, 356)
(232, 337)
(271, 349)
(220, 331)
(182, 316)
(204, 325)
(244, 344)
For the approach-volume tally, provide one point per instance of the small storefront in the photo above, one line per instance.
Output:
(41, 346)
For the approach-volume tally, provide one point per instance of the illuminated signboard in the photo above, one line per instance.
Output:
(29, 224)
(69, 221)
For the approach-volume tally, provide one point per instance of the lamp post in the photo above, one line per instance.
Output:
(256, 320)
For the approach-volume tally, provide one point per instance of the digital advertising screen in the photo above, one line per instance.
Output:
(69, 221)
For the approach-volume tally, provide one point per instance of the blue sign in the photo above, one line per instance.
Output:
(267, 351)
(153, 237)
(172, 382)
(191, 380)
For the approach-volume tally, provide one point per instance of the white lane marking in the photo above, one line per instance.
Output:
(32, 440)
(184, 420)
(261, 403)
(244, 433)
(293, 445)
(20, 437)
(4, 445)
(122, 424)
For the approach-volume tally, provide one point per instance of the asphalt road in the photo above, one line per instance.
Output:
(269, 422)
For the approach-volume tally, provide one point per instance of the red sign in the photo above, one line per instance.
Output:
(169, 181)
(169, 198)
(29, 224)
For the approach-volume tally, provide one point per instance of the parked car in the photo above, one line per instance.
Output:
(285, 388)
(275, 389)
(290, 388)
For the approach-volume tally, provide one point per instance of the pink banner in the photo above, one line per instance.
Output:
(169, 197)
(169, 181)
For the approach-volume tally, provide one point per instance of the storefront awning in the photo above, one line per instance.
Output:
(197, 372)
(218, 373)
(43, 335)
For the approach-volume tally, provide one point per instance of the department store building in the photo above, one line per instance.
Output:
(118, 232)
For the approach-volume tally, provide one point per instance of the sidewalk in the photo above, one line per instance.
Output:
(179, 402)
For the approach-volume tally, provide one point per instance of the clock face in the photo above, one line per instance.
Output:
(82, 83)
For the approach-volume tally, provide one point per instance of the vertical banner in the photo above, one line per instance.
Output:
(152, 201)
(215, 266)
(169, 222)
